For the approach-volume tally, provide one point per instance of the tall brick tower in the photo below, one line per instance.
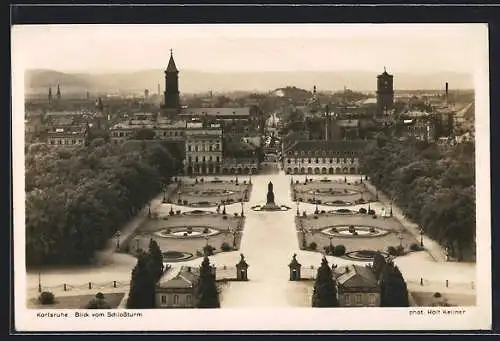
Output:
(385, 93)
(171, 85)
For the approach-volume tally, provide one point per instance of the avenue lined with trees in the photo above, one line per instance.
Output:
(434, 188)
(76, 200)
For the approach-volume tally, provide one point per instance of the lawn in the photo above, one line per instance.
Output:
(189, 244)
(77, 301)
(426, 299)
(211, 193)
(354, 243)
(330, 191)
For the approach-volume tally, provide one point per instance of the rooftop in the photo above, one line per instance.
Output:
(183, 277)
(355, 276)
(242, 111)
(328, 146)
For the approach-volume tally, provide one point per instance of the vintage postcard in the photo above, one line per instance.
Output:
(285, 177)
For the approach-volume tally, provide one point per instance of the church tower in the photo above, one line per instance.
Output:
(50, 95)
(58, 95)
(385, 93)
(171, 85)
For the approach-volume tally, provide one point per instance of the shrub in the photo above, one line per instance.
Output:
(329, 249)
(374, 217)
(339, 250)
(372, 230)
(235, 214)
(416, 247)
(199, 253)
(185, 202)
(225, 247)
(46, 298)
(319, 202)
(352, 229)
(224, 217)
(209, 250)
(313, 246)
(171, 213)
(179, 201)
(315, 217)
(178, 212)
(400, 250)
(371, 212)
(391, 250)
(206, 230)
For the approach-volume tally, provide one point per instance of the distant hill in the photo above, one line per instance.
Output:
(38, 81)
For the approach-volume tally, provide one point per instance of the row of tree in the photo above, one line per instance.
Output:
(433, 187)
(76, 200)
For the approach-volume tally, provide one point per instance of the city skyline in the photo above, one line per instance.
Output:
(410, 48)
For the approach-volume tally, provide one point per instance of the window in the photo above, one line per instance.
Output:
(331, 160)
(347, 299)
(163, 299)
(196, 148)
(309, 160)
(176, 299)
(188, 299)
(190, 159)
(372, 299)
(218, 160)
(196, 159)
(210, 158)
(189, 148)
(288, 160)
(359, 299)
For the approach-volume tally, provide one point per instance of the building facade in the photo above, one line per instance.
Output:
(324, 157)
(385, 93)
(177, 290)
(203, 149)
(357, 287)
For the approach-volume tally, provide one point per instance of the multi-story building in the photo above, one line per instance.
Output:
(357, 287)
(324, 157)
(67, 137)
(160, 130)
(203, 149)
(178, 289)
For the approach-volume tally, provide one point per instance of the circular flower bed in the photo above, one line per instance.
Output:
(176, 256)
(354, 231)
(364, 255)
(333, 191)
(203, 204)
(270, 208)
(343, 211)
(338, 203)
(209, 192)
(182, 232)
(198, 212)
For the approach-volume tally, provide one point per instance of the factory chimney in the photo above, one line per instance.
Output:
(446, 93)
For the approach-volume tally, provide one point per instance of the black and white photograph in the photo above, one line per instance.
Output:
(258, 171)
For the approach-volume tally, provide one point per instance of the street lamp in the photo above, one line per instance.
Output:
(421, 236)
(149, 209)
(39, 282)
(316, 202)
(242, 214)
(137, 244)
(164, 193)
(400, 236)
(298, 212)
(391, 208)
(117, 235)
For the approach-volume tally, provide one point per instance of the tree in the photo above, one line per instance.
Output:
(393, 290)
(142, 285)
(378, 265)
(98, 302)
(156, 259)
(324, 292)
(207, 292)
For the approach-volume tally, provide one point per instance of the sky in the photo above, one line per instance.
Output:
(227, 48)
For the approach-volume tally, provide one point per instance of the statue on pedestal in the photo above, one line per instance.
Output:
(270, 194)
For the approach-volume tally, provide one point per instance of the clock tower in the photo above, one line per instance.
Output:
(385, 93)
(171, 85)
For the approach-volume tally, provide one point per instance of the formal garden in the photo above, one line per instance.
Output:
(211, 193)
(331, 192)
(354, 234)
(186, 235)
